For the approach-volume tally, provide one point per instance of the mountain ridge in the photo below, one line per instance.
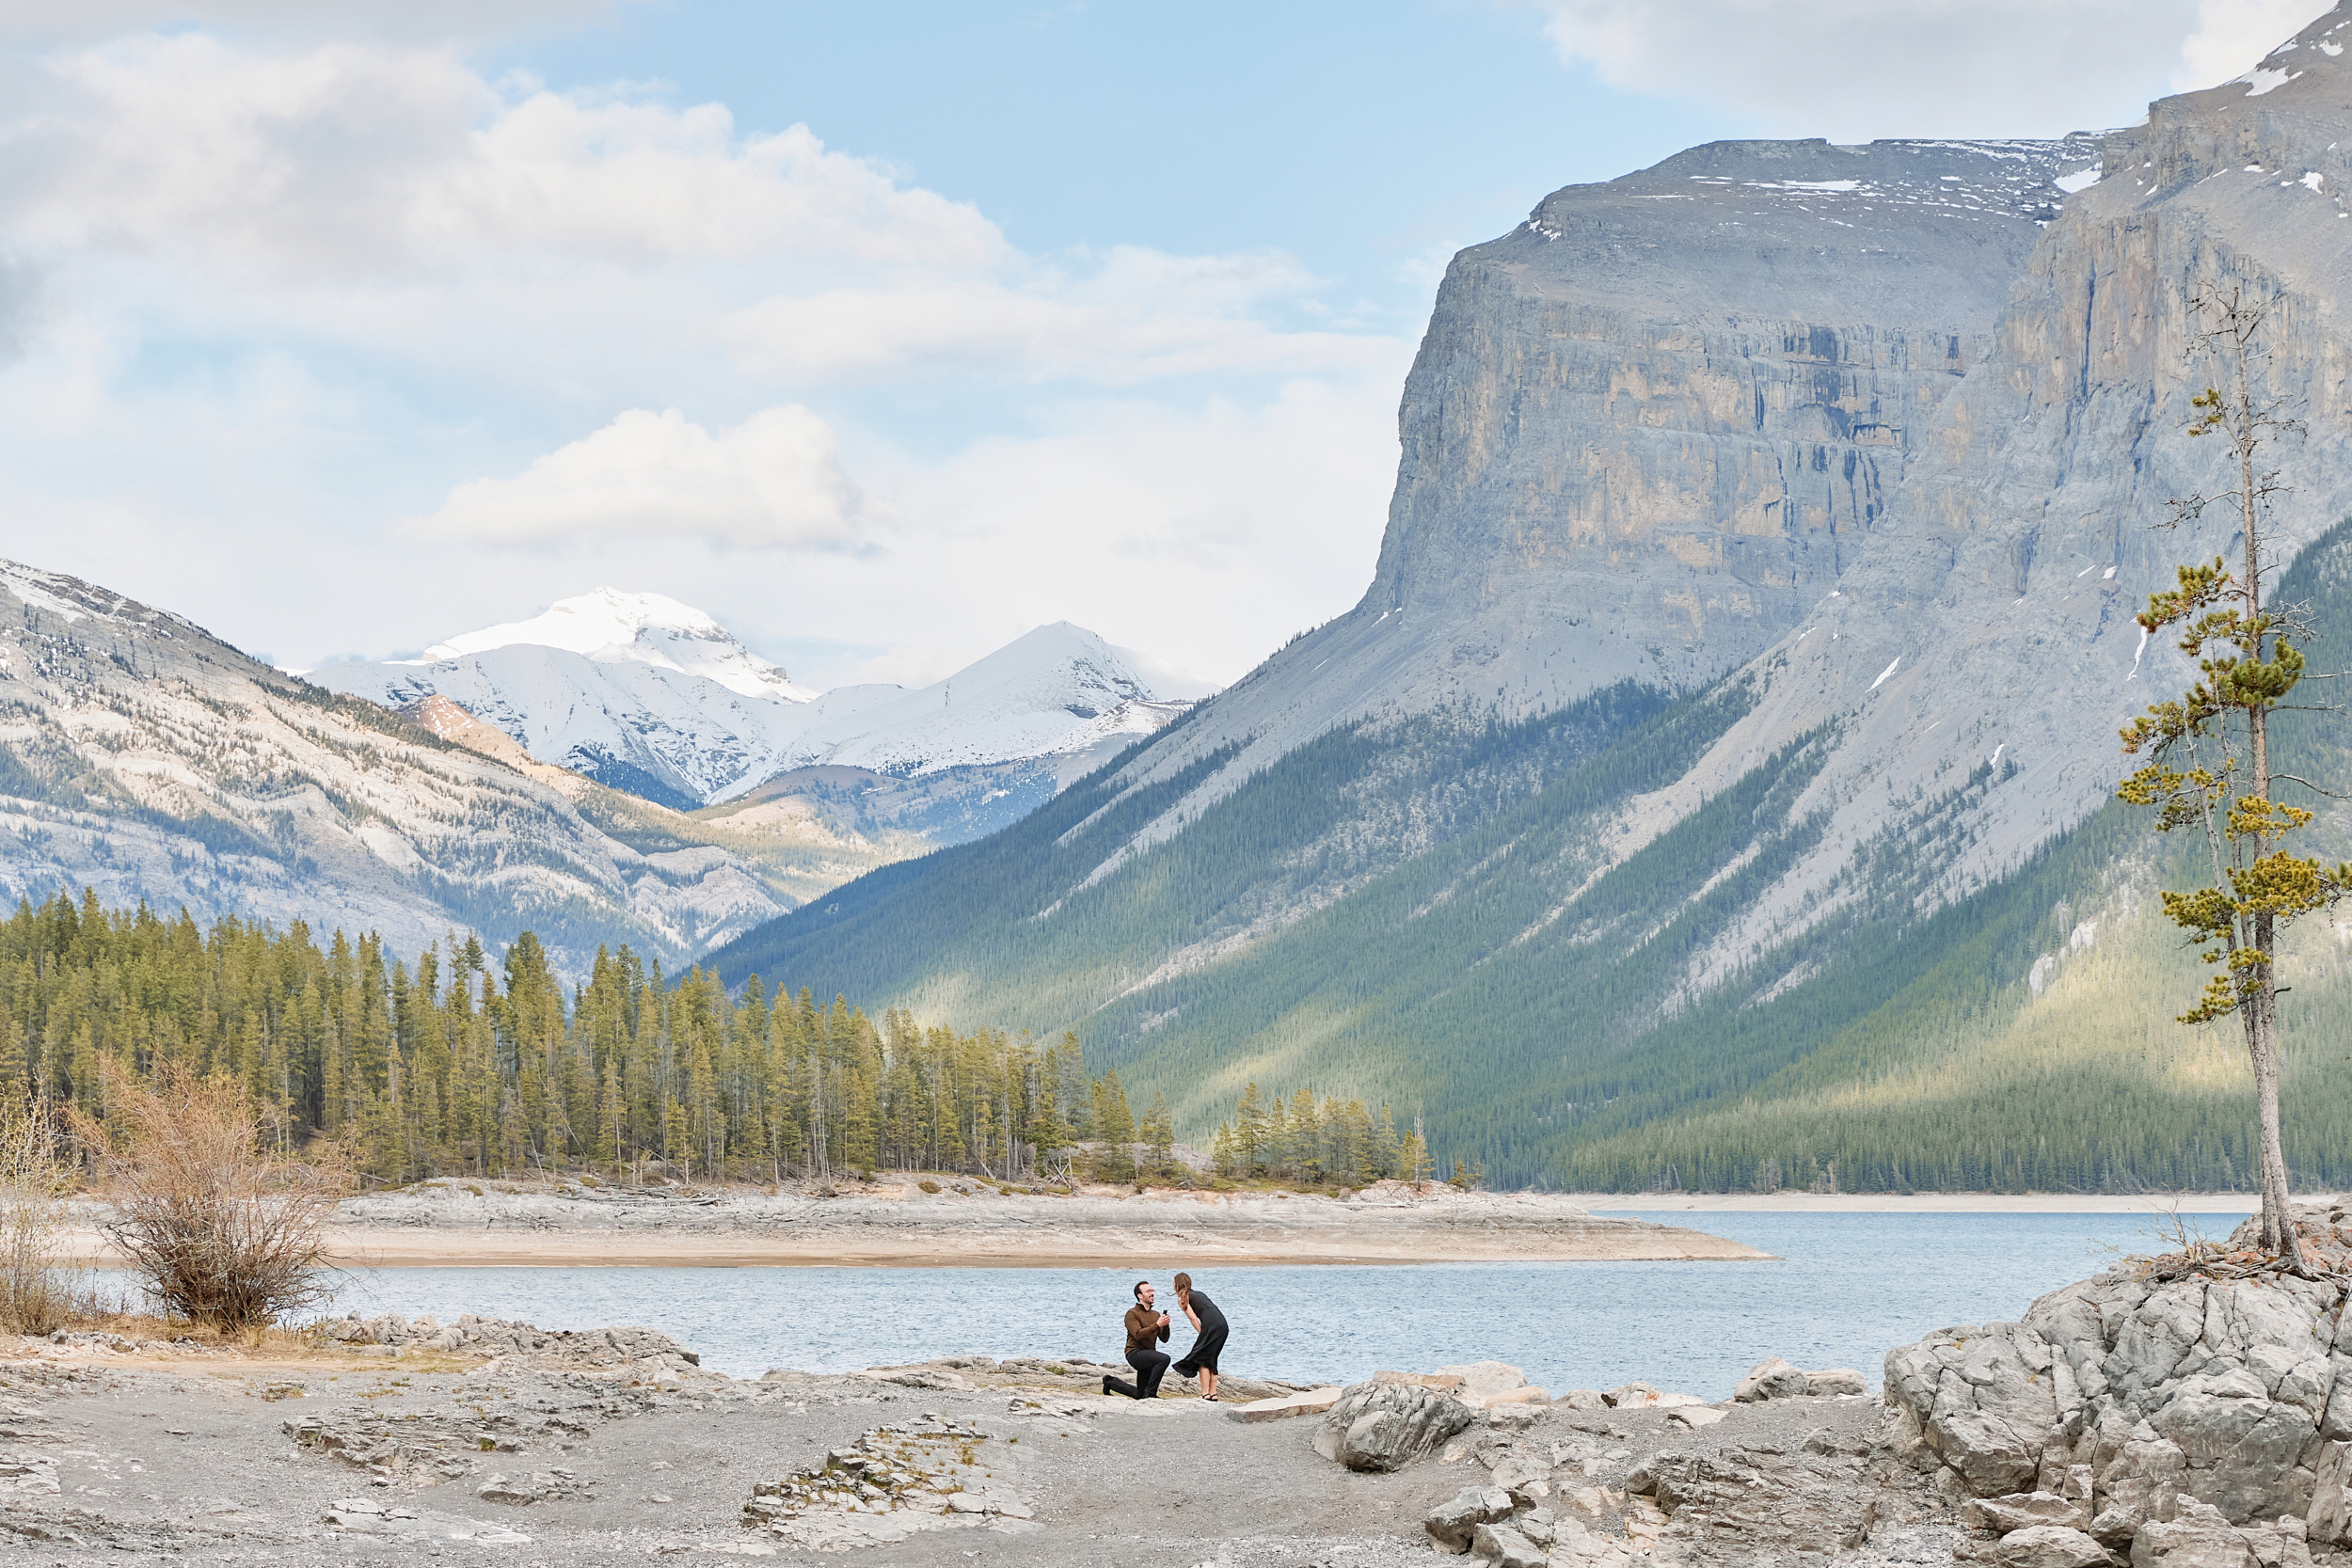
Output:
(653, 697)
(144, 758)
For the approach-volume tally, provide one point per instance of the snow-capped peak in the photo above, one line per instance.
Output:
(654, 697)
(612, 628)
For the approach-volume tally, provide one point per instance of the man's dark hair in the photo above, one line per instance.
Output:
(1139, 1291)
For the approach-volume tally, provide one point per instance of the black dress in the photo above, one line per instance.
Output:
(1206, 1348)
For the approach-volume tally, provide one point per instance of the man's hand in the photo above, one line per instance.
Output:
(1162, 1319)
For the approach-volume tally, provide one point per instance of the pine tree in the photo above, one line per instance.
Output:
(612, 1118)
(2221, 729)
(1115, 1125)
(1159, 1137)
(1048, 1134)
(1413, 1161)
(1249, 1130)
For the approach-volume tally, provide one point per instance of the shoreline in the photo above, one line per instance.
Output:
(1926, 1203)
(476, 1225)
(463, 1224)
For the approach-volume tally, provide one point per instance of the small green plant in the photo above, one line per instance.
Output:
(928, 1186)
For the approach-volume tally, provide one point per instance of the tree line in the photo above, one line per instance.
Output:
(1308, 1143)
(458, 1063)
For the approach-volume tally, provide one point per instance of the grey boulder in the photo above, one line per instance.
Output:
(1453, 1525)
(2051, 1547)
(2023, 1511)
(1507, 1547)
(1981, 1399)
(2197, 1536)
(1770, 1379)
(1387, 1426)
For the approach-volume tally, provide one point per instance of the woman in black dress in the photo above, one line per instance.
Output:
(1208, 1325)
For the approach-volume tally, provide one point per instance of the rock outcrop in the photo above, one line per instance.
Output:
(894, 1481)
(1387, 1426)
(501, 1336)
(2152, 1412)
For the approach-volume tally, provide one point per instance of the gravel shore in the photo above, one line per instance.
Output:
(615, 1447)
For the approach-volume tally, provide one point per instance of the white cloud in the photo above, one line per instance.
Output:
(351, 161)
(398, 19)
(774, 480)
(1142, 314)
(322, 289)
(2232, 36)
(1853, 70)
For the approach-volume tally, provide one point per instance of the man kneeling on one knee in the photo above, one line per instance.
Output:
(1144, 1329)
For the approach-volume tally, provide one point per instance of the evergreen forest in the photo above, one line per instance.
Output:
(461, 1064)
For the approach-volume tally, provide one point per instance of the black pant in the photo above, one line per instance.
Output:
(1150, 1365)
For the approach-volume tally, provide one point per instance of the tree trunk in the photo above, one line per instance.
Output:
(2278, 1219)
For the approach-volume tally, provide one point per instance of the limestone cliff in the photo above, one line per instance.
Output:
(1889, 427)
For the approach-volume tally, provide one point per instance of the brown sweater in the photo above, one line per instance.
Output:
(1143, 1326)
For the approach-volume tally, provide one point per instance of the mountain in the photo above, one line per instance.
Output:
(613, 627)
(646, 695)
(144, 758)
(1710, 788)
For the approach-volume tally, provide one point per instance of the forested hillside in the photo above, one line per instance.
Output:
(1548, 1022)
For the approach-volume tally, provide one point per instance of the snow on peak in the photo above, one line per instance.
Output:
(1052, 690)
(656, 698)
(611, 626)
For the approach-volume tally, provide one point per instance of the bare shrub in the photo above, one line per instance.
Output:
(36, 1283)
(220, 1231)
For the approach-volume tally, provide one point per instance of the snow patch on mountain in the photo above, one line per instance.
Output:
(649, 695)
(611, 626)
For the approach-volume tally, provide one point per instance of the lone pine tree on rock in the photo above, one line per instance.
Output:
(2208, 751)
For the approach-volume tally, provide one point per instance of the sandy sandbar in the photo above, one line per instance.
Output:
(1927, 1203)
(464, 1224)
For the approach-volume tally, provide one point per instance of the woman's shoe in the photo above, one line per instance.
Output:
(1212, 1399)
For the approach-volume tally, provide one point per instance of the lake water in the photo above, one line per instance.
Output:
(1845, 1289)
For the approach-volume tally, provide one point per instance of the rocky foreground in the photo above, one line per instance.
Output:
(965, 1221)
(2195, 1411)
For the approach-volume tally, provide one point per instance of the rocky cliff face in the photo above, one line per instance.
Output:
(1887, 429)
(1651, 426)
(1990, 615)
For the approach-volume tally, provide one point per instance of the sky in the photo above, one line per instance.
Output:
(882, 332)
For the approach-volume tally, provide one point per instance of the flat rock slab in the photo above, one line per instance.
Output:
(1314, 1401)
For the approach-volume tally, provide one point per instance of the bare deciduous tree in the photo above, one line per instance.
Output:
(36, 1285)
(222, 1232)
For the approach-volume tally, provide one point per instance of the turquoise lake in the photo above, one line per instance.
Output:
(1845, 1289)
